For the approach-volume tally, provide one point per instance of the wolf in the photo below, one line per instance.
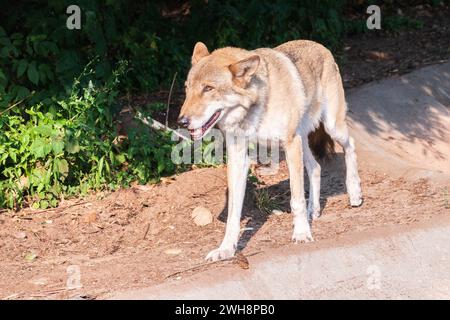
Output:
(292, 93)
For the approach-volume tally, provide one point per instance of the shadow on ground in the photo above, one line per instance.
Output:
(408, 116)
(332, 184)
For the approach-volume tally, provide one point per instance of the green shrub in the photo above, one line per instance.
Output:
(39, 54)
(71, 147)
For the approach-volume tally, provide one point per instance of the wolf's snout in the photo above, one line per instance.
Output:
(183, 121)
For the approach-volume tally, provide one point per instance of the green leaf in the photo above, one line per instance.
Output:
(32, 73)
(161, 166)
(40, 148)
(24, 141)
(72, 146)
(62, 167)
(3, 76)
(20, 92)
(16, 36)
(44, 130)
(23, 64)
(13, 156)
(40, 187)
(44, 204)
(67, 61)
(57, 146)
(120, 158)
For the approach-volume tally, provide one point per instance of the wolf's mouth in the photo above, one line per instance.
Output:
(198, 133)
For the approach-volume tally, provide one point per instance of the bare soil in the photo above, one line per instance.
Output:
(144, 235)
(378, 54)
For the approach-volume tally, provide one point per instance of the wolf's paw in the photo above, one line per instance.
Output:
(220, 254)
(356, 200)
(302, 236)
(314, 214)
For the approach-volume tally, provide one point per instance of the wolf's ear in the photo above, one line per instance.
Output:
(244, 70)
(200, 51)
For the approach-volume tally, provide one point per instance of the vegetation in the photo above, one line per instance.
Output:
(59, 88)
(265, 202)
(71, 147)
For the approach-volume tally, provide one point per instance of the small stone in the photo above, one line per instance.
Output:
(173, 252)
(39, 281)
(202, 216)
(21, 235)
(31, 256)
(277, 212)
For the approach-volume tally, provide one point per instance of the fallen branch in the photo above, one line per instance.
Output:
(202, 265)
(46, 293)
(152, 123)
(146, 231)
(59, 209)
(16, 104)
(168, 99)
(12, 296)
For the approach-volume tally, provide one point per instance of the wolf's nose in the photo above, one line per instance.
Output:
(183, 121)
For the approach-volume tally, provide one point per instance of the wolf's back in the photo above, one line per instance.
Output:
(317, 67)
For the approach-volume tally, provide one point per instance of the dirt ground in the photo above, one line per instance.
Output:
(377, 55)
(144, 235)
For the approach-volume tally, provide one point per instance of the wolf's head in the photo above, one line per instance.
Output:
(217, 84)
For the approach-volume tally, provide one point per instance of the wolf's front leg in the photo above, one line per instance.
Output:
(294, 157)
(237, 169)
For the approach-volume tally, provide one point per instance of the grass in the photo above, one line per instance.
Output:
(266, 202)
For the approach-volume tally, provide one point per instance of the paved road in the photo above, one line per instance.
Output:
(402, 125)
(400, 262)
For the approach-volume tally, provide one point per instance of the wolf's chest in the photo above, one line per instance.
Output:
(273, 126)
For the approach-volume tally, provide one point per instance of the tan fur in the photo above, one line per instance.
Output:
(284, 93)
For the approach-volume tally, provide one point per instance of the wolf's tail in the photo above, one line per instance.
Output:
(321, 143)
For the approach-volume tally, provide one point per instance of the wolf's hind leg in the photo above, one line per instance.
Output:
(336, 126)
(353, 182)
(313, 170)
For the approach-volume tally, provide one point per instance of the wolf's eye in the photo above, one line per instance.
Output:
(207, 88)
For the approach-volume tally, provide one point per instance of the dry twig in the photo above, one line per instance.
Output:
(233, 259)
(152, 123)
(168, 99)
